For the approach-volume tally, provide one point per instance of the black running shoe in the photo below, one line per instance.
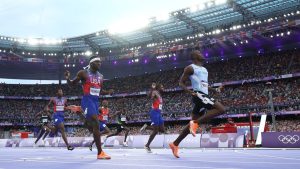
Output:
(70, 148)
(91, 148)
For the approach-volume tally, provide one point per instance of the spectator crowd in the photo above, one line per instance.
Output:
(242, 98)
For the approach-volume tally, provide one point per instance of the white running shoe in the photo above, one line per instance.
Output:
(148, 149)
(125, 144)
(143, 128)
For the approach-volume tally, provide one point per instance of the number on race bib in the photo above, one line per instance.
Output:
(60, 108)
(105, 117)
(94, 91)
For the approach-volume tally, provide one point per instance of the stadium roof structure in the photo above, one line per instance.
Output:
(199, 20)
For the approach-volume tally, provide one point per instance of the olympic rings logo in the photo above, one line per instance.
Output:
(289, 139)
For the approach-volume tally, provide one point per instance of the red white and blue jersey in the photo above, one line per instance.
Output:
(59, 104)
(155, 113)
(93, 84)
(157, 102)
(103, 114)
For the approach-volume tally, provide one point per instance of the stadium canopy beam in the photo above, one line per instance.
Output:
(66, 48)
(118, 40)
(115, 38)
(182, 16)
(87, 40)
(247, 15)
(95, 47)
(155, 35)
(15, 46)
(281, 11)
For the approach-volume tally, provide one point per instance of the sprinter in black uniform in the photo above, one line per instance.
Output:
(121, 125)
(44, 121)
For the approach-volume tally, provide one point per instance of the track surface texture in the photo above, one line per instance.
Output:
(82, 158)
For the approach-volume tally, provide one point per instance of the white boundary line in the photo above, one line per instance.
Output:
(136, 157)
(263, 155)
(115, 164)
(174, 160)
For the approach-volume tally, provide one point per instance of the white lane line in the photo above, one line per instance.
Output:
(128, 155)
(158, 158)
(124, 164)
(169, 160)
(210, 161)
(145, 158)
(263, 155)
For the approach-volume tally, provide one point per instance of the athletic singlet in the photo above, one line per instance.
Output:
(103, 115)
(45, 118)
(92, 85)
(59, 104)
(199, 79)
(120, 119)
(157, 103)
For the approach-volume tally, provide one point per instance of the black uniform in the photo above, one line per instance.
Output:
(121, 122)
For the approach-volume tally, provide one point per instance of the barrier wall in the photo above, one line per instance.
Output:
(226, 140)
(137, 141)
(281, 139)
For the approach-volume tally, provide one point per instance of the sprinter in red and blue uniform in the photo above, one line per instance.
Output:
(157, 122)
(59, 106)
(92, 82)
(103, 119)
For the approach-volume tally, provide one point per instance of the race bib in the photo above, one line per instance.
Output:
(95, 91)
(60, 108)
(105, 117)
(160, 107)
(45, 120)
(204, 99)
(123, 119)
